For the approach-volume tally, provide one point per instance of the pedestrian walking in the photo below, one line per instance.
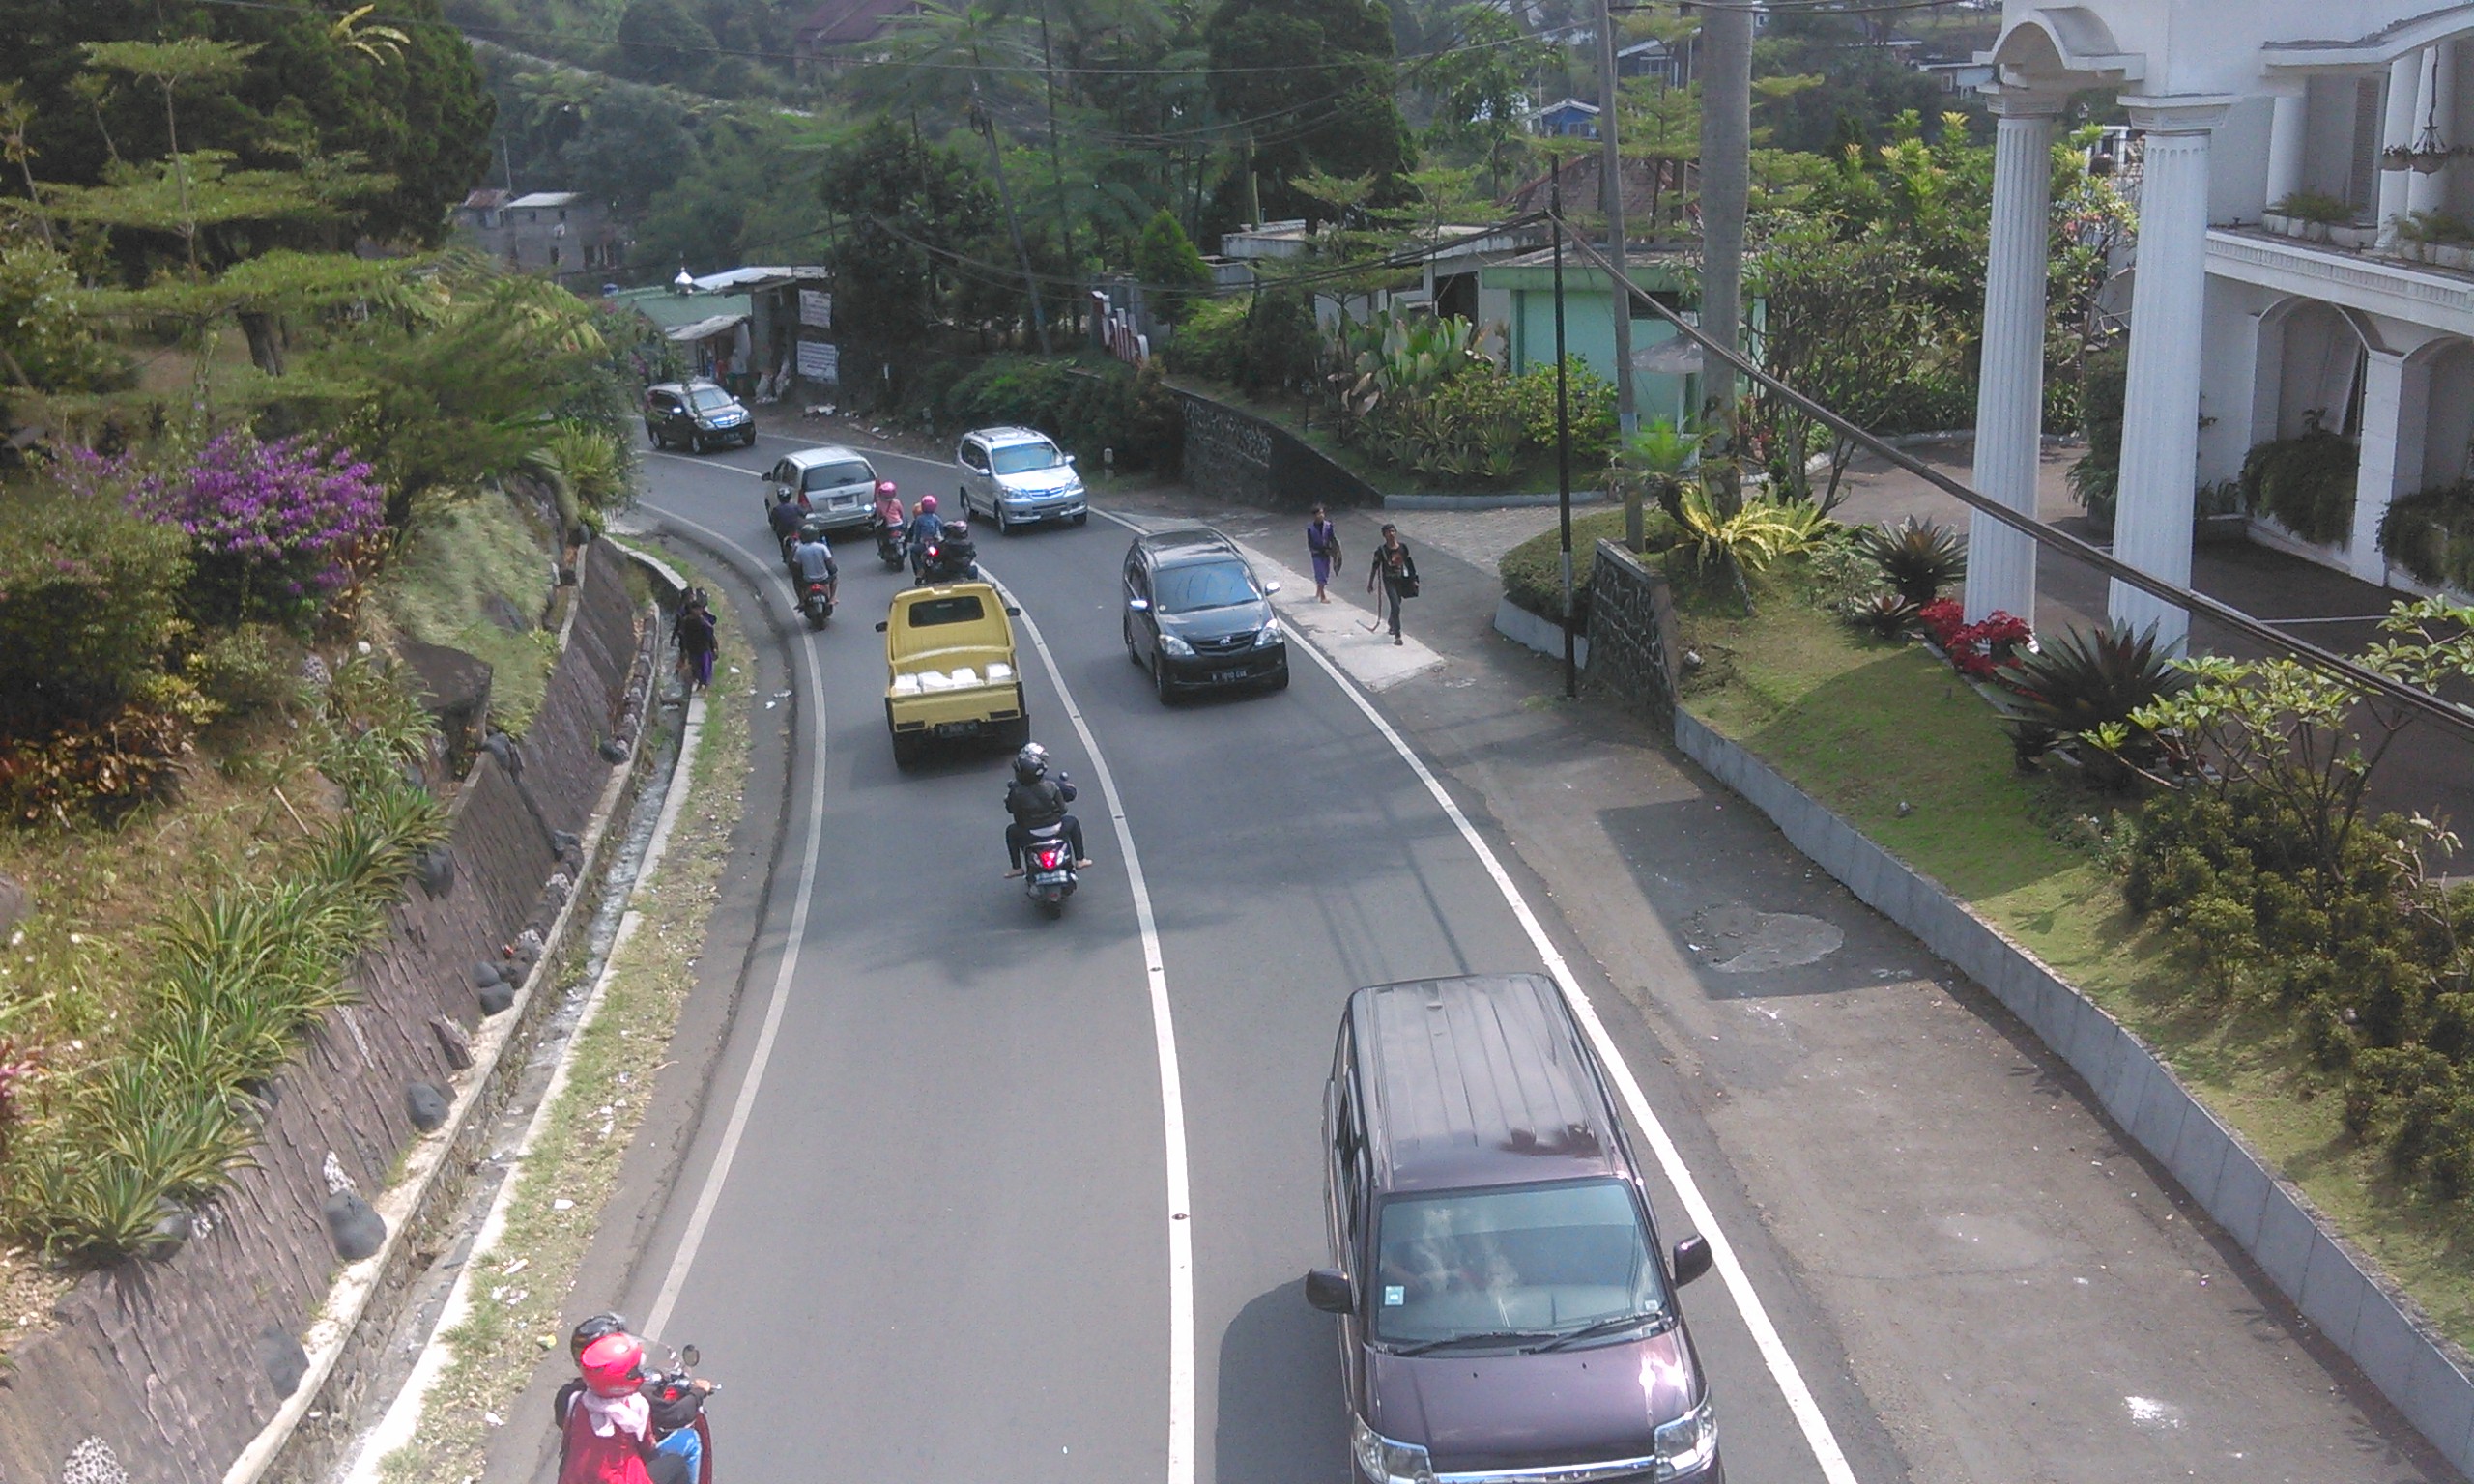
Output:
(1397, 570)
(698, 637)
(1323, 544)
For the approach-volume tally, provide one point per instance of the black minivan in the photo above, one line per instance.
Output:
(1197, 617)
(1504, 1315)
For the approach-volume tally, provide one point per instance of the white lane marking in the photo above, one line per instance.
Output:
(1817, 1436)
(1172, 1096)
(680, 458)
(736, 1128)
(403, 1417)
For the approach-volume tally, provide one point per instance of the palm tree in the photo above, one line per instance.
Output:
(1656, 458)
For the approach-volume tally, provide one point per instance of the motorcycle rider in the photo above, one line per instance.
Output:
(889, 515)
(924, 529)
(606, 1437)
(1037, 801)
(957, 558)
(673, 1422)
(785, 515)
(813, 557)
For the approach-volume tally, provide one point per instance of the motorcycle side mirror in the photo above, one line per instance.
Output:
(1691, 1259)
(1271, 588)
(690, 1357)
(1330, 1290)
(880, 625)
(1010, 611)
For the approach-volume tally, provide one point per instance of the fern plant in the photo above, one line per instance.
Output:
(1917, 558)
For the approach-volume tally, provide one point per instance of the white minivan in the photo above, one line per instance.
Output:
(1018, 476)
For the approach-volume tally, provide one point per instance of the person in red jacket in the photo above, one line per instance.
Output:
(608, 1429)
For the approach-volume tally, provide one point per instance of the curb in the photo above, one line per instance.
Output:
(1544, 635)
(406, 1206)
(1488, 501)
(2340, 1291)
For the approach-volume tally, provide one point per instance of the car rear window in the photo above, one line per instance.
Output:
(1535, 1261)
(964, 608)
(825, 477)
(710, 399)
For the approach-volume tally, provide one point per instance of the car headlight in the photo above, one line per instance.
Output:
(1270, 634)
(1686, 1444)
(1170, 644)
(1379, 1458)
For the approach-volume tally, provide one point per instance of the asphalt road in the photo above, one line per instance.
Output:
(940, 1237)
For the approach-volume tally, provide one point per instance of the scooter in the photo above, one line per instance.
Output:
(817, 601)
(948, 561)
(677, 1397)
(1048, 876)
(891, 548)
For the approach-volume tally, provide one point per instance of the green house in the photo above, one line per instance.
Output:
(1666, 370)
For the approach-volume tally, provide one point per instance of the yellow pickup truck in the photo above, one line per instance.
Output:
(950, 669)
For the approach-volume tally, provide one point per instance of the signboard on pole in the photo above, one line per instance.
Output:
(820, 360)
(816, 307)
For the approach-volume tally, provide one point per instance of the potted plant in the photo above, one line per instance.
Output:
(2313, 216)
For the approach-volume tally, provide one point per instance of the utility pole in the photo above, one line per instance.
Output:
(1253, 196)
(1055, 165)
(1013, 224)
(1563, 430)
(1726, 178)
(1610, 171)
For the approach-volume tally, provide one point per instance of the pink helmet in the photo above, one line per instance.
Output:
(927, 501)
(613, 1365)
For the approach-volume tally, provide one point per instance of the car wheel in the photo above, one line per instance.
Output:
(1004, 527)
(1011, 736)
(1159, 681)
(1082, 517)
(1279, 680)
(908, 749)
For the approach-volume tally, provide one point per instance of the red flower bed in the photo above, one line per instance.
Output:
(1975, 650)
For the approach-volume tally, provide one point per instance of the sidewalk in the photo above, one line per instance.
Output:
(2019, 1297)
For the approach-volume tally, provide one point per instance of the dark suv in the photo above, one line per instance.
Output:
(1196, 616)
(696, 415)
(1504, 1312)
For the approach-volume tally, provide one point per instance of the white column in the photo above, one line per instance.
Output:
(2429, 192)
(2397, 131)
(2009, 397)
(2288, 141)
(2161, 415)
(2396, 406)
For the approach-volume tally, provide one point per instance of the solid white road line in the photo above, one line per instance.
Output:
(1817, 1436)
(1173, 1098)
(736, 1128)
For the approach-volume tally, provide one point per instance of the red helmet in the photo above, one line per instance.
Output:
(613, 1365)
(927, 501)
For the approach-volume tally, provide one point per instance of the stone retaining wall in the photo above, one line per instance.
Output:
(170, 1369)
(1632, 632)
(1232, 454)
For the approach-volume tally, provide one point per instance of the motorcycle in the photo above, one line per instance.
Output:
(1049, 876)
(678, 1396)
(946, 561)
(817, 601)
(891, 548)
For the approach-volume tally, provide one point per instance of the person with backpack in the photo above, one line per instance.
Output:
(1397, 570)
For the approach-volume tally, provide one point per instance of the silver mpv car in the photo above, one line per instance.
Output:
(1016, 477)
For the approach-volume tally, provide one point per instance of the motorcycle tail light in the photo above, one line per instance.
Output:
(1050, 855)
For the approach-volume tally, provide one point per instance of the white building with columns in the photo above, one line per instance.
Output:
(2239, 335)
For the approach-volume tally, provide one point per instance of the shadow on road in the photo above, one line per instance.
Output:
(1282, 1416)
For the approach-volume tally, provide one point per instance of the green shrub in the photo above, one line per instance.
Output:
(2307, 482)
(1533, 571)
(89, 596)
(2096, 478)
(2430, 534)
(1210, 341)
(1089, 406)
(2315, 206)
(1590, 398)
(2084, 679)
(247, 672)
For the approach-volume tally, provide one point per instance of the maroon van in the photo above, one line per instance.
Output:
(1504, 1312)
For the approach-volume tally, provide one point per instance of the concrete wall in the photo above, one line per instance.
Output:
(2336, 1289)
(166, 1364)
(1632, 632)
(1232, 454)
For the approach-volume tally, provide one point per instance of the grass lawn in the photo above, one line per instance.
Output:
(1534, 474)
(475, 576)
(1863, 724)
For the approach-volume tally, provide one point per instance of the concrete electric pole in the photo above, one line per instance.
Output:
(1610, 171)
(1726, 181)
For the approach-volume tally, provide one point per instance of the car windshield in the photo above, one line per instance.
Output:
(825, 477)
(1207, 584)
(1023, 457)
(709, 399)
(1527, 1263)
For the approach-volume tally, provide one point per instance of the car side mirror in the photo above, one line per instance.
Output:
(1270, 588)
(1010, 611)
(1070, 461)
(1691, 1259)
(1138, 605)
(880, 625)
(1330, 1290)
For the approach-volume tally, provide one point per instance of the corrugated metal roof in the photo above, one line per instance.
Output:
(670, 310)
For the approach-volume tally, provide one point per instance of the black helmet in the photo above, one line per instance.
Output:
(1032, 762)
(781, 496)
(594, 1329)
(956, 530)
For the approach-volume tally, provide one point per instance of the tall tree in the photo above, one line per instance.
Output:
(898, 204)
(1307, 86)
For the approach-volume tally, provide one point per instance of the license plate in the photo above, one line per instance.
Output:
(1225, 676)
(1048, 878)
(957, 728)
